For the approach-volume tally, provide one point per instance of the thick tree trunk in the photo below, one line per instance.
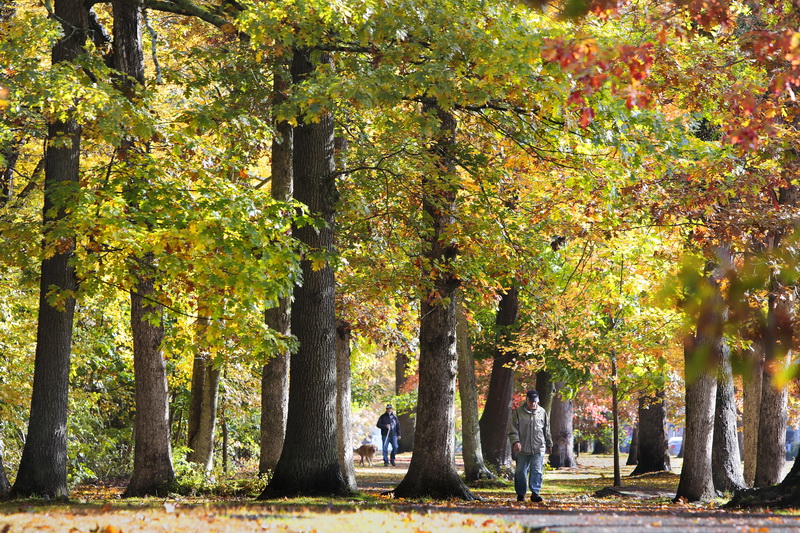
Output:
(696, 483)
(561, 428)
(407, 419)
(771, 456)
(309, 462)
(153, 473)
(726, 463)
(751, 401)
(600, 448)
(497, 411)
(343, 397)
(43, 467)
(633, 452)
(432, 472)
(702, 354)
(653, 448)
(274, 404)
(474, 467)
(275, 374)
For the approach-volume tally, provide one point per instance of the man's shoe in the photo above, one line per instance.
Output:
(385, 464)
(393, 463)
(535, 498)
(520, 498)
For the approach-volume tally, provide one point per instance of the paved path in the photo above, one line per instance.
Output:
(677, 522)
(539, 517)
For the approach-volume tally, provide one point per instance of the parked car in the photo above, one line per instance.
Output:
(675, 444)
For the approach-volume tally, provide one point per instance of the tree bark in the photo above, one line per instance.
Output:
(497, 411)
(474, 467)
(203, 401)
(343, 398)
(546, 389)
(43, 466)
(696, 482)
(633, 452)
(726, 463)
(5, 486)
(653, 447)
(309, 462)
(776, 343)
(432, 472)
(153, 473)
(407, 419)
(225, 436)
(561, 428)
(752, 408)
(10, 155)
(771, 456)
(275, 374)
(702, 352)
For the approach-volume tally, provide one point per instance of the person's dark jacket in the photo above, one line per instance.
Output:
(394, 424)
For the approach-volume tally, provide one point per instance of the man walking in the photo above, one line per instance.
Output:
(390, 432)
(530, 441)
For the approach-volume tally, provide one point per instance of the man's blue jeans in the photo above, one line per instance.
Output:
(528, 473)
(389, 440)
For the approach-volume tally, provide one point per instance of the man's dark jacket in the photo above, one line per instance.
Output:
(394, 424)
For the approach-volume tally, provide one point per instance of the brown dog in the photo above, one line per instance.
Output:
(366, 451)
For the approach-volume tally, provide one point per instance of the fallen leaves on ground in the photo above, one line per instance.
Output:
(98, 508)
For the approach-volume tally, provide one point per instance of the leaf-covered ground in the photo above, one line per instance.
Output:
(571, 504)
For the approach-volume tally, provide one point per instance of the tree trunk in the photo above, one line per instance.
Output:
(408, 420)
(777, 339)
(702, 354)
(275, 374)
(203, 400)
(10, 155)
(309, 462)
(546, 389)
(202, 417)
(752, 408)
(600, 448)
(696, 483)
(225, 437)
(152, 464)
(561, 428)
(153, 473)
(726, 463)
(771, 456)
(633, 452)
(5, 486)
(474, 467)
(43, 467)
(432, 472)
(343, 397)
(653, 447)
(497, 411)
